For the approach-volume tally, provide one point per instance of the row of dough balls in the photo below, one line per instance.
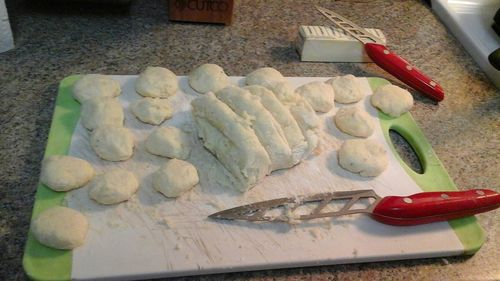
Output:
(103, 115)
(65, 228)
(367, 157)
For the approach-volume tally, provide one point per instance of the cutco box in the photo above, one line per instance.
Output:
(212, 11)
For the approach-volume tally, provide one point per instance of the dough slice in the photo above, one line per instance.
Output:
(267, 130)
(282, 115)
(354, 121)
(392, 100)
(208, 78)
(231, 139)
(64, 173)
(263, 76)
(60, 228)
(175, 177)
(366, 157)
(95, 86)
(318, 94)
(152, 111)
(169, 142)
(114, 186)
(346, 89)
(301, 111)
(112, 143)
(101, 111)
(156, 82)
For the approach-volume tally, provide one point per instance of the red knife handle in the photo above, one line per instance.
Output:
(402, 70)
(430, 207)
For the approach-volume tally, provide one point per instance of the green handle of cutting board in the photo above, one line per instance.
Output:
(434, 176)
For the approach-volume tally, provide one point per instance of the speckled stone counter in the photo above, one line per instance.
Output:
(54, 40)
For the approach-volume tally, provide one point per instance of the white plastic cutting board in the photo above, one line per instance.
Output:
(152, 236)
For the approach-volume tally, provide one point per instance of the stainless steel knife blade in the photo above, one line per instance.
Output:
(348, 26)
(260, 211)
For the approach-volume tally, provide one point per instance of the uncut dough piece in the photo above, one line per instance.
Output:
(101, 111)
(156, 82)
(264, 76)
(175, 177)
(63, 173)
(346, 89)
(60, 228)
(392, 100)
(318, 94)
(95, 86)
(112, 143)
(266, 128)
(152, 111)
(354, 121)
(282, 115)
(231, 139)
(114, 186)
(208, 78)
(169, 142)
(366, 157)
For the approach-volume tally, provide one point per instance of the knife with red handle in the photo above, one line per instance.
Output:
(420, 208)
(430, 207)
(386, 59)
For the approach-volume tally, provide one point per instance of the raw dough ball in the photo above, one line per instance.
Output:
(95, 85)
(156, 82)
(112, 143)
(175, 177)
(392, 100)
(61, 228)
(354, 121)
(114, 186)
(152, 111)
(319, 95)
(101, 111)
(63, 173)
(263, 76)
(169, 142)
(208, 78)
(346, 89)
(366, 157)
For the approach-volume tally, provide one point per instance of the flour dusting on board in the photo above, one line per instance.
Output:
(151, 235)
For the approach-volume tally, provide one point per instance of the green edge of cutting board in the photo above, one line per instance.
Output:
(41, 262)
(434, 176)
(44, 263)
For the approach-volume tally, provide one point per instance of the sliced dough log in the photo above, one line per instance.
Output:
(282, 115)
(231, 139)
(301, 111)
(266, 128)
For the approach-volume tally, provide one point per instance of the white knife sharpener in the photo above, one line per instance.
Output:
(327, 44)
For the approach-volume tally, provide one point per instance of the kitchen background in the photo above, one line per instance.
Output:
(54, 39)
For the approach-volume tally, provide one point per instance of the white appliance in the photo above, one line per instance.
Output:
(470, 21)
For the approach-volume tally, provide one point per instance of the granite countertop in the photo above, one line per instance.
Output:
(54, 42)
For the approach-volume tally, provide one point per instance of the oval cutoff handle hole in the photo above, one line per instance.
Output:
(406, 152)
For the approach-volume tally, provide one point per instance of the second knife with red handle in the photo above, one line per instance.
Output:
(386, 59)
